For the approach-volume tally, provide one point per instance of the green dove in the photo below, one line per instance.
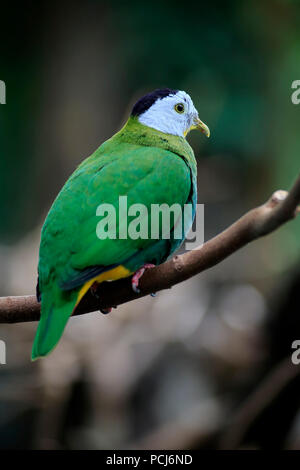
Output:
(150, 162)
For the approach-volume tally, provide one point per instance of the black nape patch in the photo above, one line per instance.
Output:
(148, 100)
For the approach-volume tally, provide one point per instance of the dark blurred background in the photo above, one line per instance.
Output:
(208, 364)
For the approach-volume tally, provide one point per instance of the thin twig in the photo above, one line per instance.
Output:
(257, 402)
(262, 220)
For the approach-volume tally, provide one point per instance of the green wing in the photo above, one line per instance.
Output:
(145, 175)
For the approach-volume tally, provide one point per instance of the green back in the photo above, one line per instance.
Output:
(138, 162)
(145, 165)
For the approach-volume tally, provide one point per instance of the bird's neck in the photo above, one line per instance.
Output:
(136, 133)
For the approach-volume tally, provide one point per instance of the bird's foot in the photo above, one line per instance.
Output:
(137, 276)
(94, 291)
(105, 311)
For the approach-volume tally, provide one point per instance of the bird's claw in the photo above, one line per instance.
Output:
(137, 275)
(135, 288)
(94, 292)
(105, 311)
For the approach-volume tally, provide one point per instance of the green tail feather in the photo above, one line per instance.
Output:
(55, 312)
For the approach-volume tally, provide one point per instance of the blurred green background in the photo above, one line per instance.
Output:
(174, 371)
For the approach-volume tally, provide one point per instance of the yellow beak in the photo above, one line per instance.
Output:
(198, 124)
(201, 127)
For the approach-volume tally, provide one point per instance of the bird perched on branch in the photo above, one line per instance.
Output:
(150, 162)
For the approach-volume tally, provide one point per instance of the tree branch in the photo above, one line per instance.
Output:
(262, 397)
(262, 220)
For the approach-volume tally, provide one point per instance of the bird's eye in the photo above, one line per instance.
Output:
(179, 108)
